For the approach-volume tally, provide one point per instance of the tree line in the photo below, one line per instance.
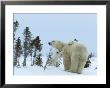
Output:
(28, 47)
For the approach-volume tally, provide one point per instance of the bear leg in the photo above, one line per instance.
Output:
(74, 64)
(66, 62)
(81, 65)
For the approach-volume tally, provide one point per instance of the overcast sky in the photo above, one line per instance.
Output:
(63, 27)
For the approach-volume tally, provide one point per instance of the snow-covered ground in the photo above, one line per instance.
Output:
(52, 70)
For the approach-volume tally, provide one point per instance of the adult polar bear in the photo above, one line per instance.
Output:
(74, 55)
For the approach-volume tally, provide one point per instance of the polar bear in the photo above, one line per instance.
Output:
(74, 55)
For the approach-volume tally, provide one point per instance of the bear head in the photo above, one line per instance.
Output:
(57, 44)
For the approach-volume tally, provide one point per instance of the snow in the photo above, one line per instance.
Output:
(52, 70)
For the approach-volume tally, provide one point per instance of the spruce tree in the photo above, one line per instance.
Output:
(88, 62)
(26, 45)
(37, 51)
(49, 59)
(18, 50)
(31, 52)
(38, 60)
(15, 27)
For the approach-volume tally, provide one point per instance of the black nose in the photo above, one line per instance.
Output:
(57, 52)
(49, 43)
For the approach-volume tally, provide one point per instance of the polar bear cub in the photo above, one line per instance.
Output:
(55, 58)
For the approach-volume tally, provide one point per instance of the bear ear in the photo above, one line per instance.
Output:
(53, 41)
(70, 43)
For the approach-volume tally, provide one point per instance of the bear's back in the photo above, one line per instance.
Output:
(76, 48)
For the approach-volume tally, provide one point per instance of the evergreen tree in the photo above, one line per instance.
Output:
(37, 51)
(49, 59)
(31, 52)
(18, 50)
(88, 62)
(15, 27)
(38, 60)
(26, 45)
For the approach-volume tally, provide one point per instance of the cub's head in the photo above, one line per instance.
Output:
(56, 44)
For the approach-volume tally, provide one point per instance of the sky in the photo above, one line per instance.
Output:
(60, 26)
